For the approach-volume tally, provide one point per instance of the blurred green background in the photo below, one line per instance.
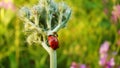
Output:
(89, 26)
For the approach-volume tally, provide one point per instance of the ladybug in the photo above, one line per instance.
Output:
(53, 42)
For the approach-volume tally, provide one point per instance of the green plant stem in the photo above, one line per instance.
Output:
(53, 55)
(46, 47)
(53, 58)
(36, 20)
(17, 42)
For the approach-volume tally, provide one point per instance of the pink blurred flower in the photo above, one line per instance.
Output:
(7, 5)
(119, 32)
(116, 13)
(106, 63)
(111, 62)
(107, 66)
(82, 66)
(104, 47)
(74, 65)
(103, 59)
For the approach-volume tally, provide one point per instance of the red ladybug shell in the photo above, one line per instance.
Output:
(53, 42)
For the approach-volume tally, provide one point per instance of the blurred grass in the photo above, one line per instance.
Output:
(87, 29)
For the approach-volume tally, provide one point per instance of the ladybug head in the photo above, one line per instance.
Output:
(52, 33)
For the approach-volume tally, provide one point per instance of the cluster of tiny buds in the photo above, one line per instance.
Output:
(44, 20)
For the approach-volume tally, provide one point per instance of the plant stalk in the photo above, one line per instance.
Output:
(53, 58)
(53, 55)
